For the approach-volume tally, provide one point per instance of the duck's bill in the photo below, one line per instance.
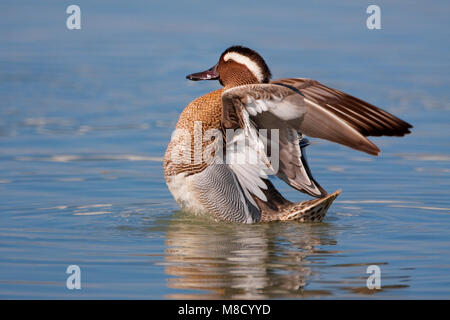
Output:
(210, 74)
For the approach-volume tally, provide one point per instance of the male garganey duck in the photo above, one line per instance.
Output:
(239, 190)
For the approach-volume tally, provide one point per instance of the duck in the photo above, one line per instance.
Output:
(229, 143)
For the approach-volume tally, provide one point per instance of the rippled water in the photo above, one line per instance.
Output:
(85, 117)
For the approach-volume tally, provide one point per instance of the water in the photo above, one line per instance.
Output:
(85, 117)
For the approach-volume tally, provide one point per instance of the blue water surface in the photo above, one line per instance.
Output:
(86, 115)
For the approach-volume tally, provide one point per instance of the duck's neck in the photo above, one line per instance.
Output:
(239, 79)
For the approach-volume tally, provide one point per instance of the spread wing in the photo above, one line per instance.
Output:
(361, 115)
(296, 107)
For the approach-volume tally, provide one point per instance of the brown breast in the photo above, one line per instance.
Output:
(201, 115)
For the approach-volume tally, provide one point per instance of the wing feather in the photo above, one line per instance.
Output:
(297, 107)
(366, 118)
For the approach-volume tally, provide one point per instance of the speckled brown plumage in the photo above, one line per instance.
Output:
(208, 110)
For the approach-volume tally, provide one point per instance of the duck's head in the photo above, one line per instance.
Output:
(237, 66)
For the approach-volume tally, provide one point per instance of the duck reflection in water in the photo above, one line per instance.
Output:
(227, 260)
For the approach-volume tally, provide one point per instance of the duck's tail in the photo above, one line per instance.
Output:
(305, 211)
(309, 211)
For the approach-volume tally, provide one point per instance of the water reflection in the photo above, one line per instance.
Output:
(226, 260)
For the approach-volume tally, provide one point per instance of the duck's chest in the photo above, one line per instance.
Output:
(193, 135)
(205, 110)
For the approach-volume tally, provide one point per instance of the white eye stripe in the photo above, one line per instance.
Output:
(246, 61)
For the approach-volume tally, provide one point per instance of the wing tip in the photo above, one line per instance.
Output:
(369, 147)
